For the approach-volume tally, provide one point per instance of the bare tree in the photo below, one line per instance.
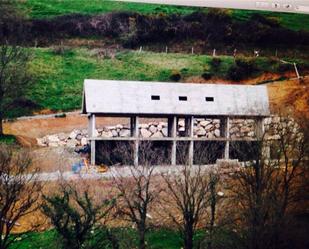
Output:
(15, 79)
(268, 185)
(191, 192)
(19, 190)
(137, 190)
(74, 216)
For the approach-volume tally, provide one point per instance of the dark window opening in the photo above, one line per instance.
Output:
(183, 98)
(209, 99)
(155, 97)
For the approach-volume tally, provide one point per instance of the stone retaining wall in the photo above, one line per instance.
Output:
(209, 128)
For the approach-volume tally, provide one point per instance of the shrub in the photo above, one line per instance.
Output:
(75, 216)
(242, 69)
(215, 64)
(282, 68)
(175, 76)
(207, 76)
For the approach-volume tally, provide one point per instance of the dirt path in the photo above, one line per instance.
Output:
(44, 125)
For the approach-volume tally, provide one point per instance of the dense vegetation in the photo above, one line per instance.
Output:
(40, 9)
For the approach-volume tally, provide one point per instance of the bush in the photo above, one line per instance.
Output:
(242, 69)
(75, 217)
(282, 68)
(175, 76)
(215, 64)
(207, 76)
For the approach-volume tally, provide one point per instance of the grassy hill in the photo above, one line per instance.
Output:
(46, 9)
(59, 76)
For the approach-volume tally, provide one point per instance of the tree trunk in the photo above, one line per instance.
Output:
(188, 238)
(142, 240)
(1, 126)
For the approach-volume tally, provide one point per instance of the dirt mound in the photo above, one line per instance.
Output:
(290, 97)
(27, 142)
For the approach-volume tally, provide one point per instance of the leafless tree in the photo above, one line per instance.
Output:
(268, 186)
(138, 189)
(76, 218)
(191, 192)
(15, 79)
(19, 190)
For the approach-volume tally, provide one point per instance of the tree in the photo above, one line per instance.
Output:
(19, 190)
(137, 190)
(192, 192)
(15, 79)
(268, 186)
(74, 216)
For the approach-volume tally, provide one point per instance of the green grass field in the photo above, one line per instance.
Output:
(51, 8)
(59, 77)
(47, 9)
(158, 239)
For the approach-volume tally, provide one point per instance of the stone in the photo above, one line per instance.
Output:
(205, 123)
(114, 133)
(181, 123)
(84, 132)
(62, 136)
(210, 135)
(181, 128)
(53, 144)
(52, 139)
(41, 141)
(154, 123)
(209, 127)
(72, 143)
(161, 125)
(244, 129)
(107, 134)
(201, 132)
(251, 134)
(153, 129)
(125, 133)
(234, 129)
(100, 130)
(145, 133)
(73, 134)
(144, 126)
(165, 132)
(217, 133)
(79, 137)
(119, 126)
(83, 141)
(158, 134)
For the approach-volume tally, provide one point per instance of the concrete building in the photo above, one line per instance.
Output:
(173, 101)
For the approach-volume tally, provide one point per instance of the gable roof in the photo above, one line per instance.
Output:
(123, 98)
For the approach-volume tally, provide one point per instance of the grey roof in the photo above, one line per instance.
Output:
(121, 98)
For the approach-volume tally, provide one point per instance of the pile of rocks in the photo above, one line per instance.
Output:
(209, 128)
(242, 128)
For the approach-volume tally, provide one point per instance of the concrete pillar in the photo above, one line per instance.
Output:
(259, 128)
(226, 133)
(259, 131)
(91, 135)
(189, 127)
(135, 134)
(172, 132)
